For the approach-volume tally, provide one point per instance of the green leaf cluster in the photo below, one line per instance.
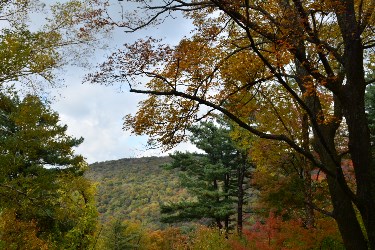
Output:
(41, 180)
(213, 178)
(25, 53)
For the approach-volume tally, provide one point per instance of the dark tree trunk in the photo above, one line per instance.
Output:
(324, 145)
(226, 190)
(360, 151)
(218, 223)
(226, 226)
(352, 98)
(218, 220)
(343, 210)
(240, 195)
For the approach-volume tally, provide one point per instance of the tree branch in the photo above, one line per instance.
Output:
(313, 206)
(241, 123)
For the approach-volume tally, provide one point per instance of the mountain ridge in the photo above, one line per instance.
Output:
(134, 188)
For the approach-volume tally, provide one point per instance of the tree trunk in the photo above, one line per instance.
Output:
(226, 226)
(345, 217)
(360, 150)
(324, 145)
(218, 223)
(352, 98)
(343, 210)
(226, 190)
(240, 195)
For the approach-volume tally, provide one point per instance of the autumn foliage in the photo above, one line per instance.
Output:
(289, 76)
(294, 72)
(275, 233)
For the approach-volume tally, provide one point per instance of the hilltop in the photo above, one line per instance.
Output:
(133, 188)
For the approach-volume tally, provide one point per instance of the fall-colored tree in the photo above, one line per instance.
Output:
(208, 238)
(17, 234)
(127, 234)
(275, 233)
(316, 51)
(285, 182)
(169, 238)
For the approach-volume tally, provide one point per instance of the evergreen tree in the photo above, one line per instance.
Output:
(41, 180)
(215, 178)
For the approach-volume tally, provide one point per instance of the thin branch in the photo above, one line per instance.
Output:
(313, 37)
(241, 123)
(277, 114)
(327, 213)
(366, 17)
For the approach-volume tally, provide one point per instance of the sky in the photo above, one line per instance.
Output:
(96, 112)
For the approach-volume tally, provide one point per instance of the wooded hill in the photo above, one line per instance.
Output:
(132, 189)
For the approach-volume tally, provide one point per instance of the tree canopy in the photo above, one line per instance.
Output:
(217, 179)
(45, 201)
(32, 51)
(307, 58)
(42, 189)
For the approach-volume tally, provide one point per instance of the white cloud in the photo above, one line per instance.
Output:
(95, 112)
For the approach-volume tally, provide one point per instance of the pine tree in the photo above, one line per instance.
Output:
(41, 180)
(216, 179)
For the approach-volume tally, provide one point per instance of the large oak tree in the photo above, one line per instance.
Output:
(318, 52)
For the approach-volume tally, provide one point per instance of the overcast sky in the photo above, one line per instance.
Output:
(95, 112)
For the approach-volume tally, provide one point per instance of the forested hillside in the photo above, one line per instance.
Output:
(129, 195)
(279, 95)
(134, 188)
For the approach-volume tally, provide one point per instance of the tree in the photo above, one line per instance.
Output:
(31, 52)
(285, 182)
(217, 178)
(316, 51)
(119, 235)
(41, 183)
(205, 182)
